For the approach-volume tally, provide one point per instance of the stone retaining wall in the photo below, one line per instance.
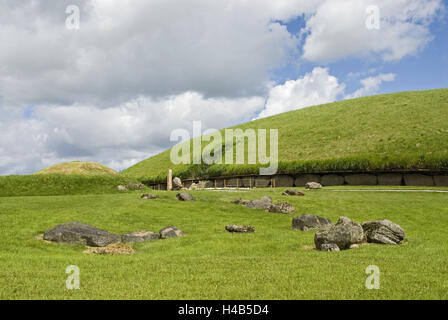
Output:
(326, 179)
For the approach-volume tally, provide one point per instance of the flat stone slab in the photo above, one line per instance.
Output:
(292, 192)
(170, 232)
(383, 231)
(81, 233)
(148, 196)
(310, 222)
(262, 204)
(240, 229)
(139, 236)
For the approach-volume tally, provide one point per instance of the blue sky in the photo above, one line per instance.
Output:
(111, 86)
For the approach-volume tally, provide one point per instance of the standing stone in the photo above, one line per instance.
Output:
(313, 186)
(383, 231)
(81, 233)
(177, 183)
(309, 222)
(169, 180)
(170, 232)
(343, 234)
(184, 196)
(140, 236)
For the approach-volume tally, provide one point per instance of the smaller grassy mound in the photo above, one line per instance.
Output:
(78, 168)
(61, 184)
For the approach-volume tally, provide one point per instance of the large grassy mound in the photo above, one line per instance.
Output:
(406, 130)
(78, 168)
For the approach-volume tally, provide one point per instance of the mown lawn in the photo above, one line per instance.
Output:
(209, 263)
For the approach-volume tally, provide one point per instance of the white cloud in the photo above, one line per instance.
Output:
(338, 29)
(316, 87)
(371, 85)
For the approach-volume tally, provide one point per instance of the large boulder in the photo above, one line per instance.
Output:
(140, 236)
(343, 234)
(184, 196)
(292, 192)
(383, 231)
(240, 229)
(313, 185)
(170, 232)
(81, 233)
(262, 204)
(177, 183)
(282, 207)
(309, 222)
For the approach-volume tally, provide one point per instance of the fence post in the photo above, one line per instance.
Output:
(169, 180)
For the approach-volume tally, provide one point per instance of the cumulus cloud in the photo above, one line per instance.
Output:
(371, 85)
(338, 29)
(314, 88)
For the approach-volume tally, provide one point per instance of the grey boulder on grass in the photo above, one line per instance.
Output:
(170, 232)
(309, 222)
(81, 233)
(282, 207)
(292, 192)
(140, 236)
(343, 234)
(313, 186)
(184, 196)
(240, 229)
(383, 231)
(262, 204)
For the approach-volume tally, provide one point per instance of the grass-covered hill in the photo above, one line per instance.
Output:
(78, 168)
(406, 130)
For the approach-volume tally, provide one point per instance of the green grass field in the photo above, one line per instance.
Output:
(406, 130)
(209, 263)
(78, 168)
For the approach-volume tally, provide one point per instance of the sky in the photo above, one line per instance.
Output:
(113, 87)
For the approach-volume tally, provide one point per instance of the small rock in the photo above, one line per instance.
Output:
(329, 247)
(81, 233)
(241, 229)
(344, 234)
(282, 207)
(184, 196)
(239, 201)
(263, 203)
(148, 196)
(170, 232)
(354, 246)
(140, 236)
(122, 188)
(292, 192)
(177, 183)
(383, 231)
(309, 222)
(135, 186)
(313, 186)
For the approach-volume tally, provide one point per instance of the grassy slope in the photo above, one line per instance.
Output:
(400, 130)
(78, 168)
(210, 263)
(60, 184)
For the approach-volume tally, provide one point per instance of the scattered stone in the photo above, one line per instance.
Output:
(177, 183)
(282, 207)
(313, 186)
(354, 246)
(170, 232)
(343, 234)
(292, 192)
(113, 249)
(309, 222)
(122, 188)
(241, 229)
(135, 186)
(148, 196)
(184, 196)
(140, 236)
(383, 231)
(76, 232)
(329, 247)
(262, 204)
(239, 201)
